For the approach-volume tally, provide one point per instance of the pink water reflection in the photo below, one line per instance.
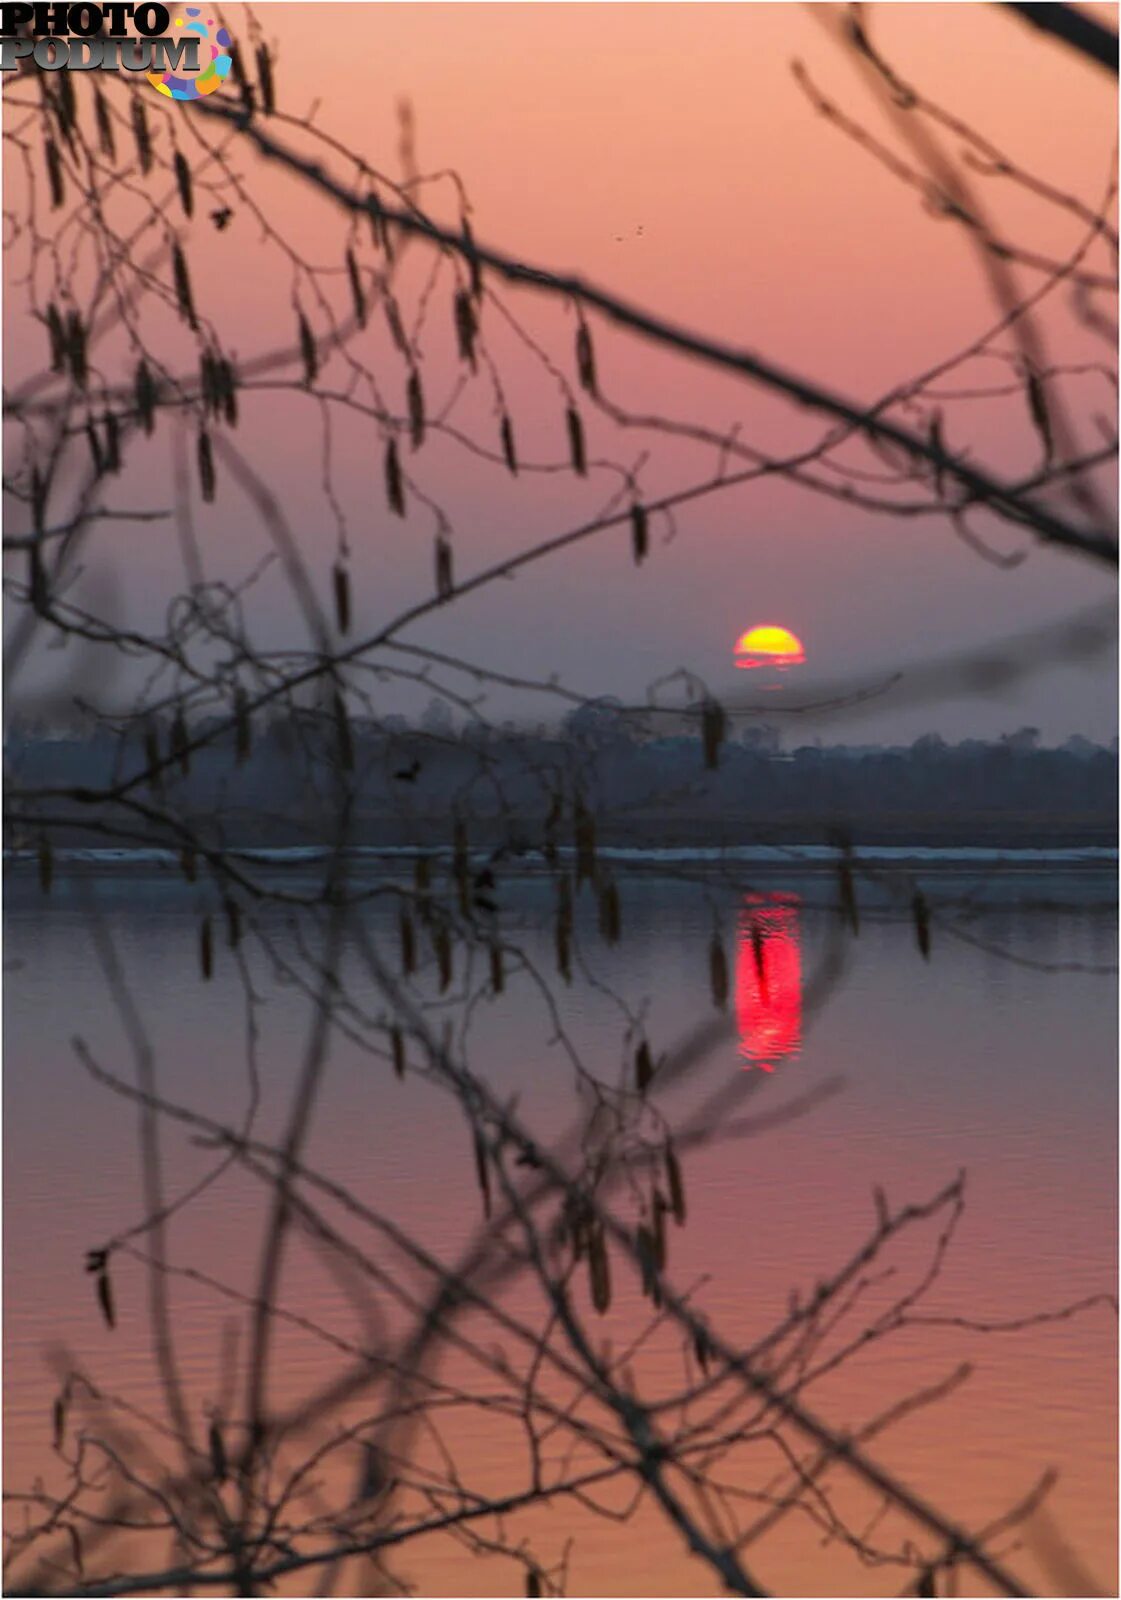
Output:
(769, 979)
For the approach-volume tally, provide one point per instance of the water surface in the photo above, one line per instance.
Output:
(997, 1056)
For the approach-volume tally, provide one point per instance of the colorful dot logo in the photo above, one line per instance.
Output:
(214, 70)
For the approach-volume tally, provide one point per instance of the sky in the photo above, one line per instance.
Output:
(666, 153)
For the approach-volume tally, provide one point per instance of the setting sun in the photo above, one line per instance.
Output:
(768, 646)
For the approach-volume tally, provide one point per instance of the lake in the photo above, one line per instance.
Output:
(997, 1056)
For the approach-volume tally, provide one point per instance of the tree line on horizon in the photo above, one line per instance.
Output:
(521, 789)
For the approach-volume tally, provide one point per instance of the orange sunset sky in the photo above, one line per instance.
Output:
(665, 152)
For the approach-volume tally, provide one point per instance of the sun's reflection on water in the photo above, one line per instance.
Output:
(769, 979)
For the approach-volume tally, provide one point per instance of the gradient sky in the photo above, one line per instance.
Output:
(665, 152)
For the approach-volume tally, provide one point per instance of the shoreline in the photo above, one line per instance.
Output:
(810, 858)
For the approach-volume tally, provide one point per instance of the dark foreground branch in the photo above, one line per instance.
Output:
(1091, 39)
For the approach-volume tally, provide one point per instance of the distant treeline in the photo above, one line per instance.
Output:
(522, 789)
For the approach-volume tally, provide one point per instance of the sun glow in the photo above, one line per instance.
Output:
(769, 646)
